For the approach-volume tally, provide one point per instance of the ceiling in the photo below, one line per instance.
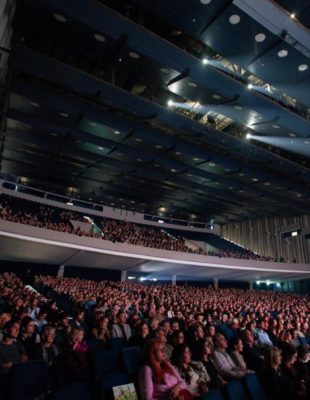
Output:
(86, 115)
(18, 250)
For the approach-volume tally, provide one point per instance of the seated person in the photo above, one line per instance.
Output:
(121, 329)
(11, 350)
(158, 380)
(263, 338)
(47, 350)
(192, 372)
(142, 336)
(237, 355)
(101, 329)
(223, 362)
(252, 354)
(29, 337)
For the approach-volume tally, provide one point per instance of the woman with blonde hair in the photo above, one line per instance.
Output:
(158, 380)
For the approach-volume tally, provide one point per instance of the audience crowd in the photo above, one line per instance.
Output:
(118, 231)
(194, 339)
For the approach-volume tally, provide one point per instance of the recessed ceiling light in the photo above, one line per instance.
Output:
(227, 169)
(250, 86)
(237, 107)
(267, 184)
(306, 142)
(178, 153)
(173, 170)
(196, 159)
(255, 180)
(241, 174)
(99, 37)
(158, 146)
(139, 159)
(205, 61)
(92, 123)
(248, 136)
(34, 104)
(138, 140)
(260, 37)
(53, 134)
(205, 2)
(65, 115)
(302, 67)
(292, 15)
(134, 55)
(170, 103)
(192, 84)
(282, 53)
(234, 19)
(164, 70)
(189, 175)
(60, 18)
(216, 96)
(116, 132)
(100, 148)
(292, 141)
(275, 126)
(211, 164)
(230, 188)
(291, 134)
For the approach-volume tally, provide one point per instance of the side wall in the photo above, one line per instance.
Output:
(265, 236)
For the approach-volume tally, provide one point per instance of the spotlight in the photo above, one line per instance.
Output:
(278, 284)
(257, 282)
(205, 61)
(248, 136)
(170, 103)
(292, 15)
(250, 86)
(268, 283)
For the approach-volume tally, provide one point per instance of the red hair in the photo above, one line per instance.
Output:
(158, 368)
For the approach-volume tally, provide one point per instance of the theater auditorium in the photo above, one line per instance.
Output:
(155, 199)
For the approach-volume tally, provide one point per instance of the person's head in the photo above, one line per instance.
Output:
(76, 335)
(304, 353)
(143, 329)
(211, 331)
(220, 341)
(199, 332)
(121, 317)
(181, 355)
(177, 337)
(262, 324)
(4, 317)
(290, 356)
(79, 315)
(27, 325)
(48, 334)
(237, 345)
(63, 320)
(103, 322)
(273, 357)
(175, 326)
(160, 335)
(11, 329)
(204, 349)
(248, 337)
(155, 358)
(42, 314)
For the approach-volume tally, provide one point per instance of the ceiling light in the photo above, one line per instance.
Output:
(177, 153)
(267, 184)
(196, 159)
(173, 170)
(139, 160)
(295, 233)
(205, 2)
(164, 70)
(138, 140)
(268, 283)
(237, 107)
(248, 136)
(257, 282)
(34, 104)
(292, 15)
(99, 37)
(53, 134)
(192, 84)
(116, 132)
(69, 203)
(275, 126)
(162, 209)
(255, 180)
(278, 284)
(302, 67)
(291, 134)
(306, 142)
(282, 53)
(205, 61)
(211, 164)
(158, 146)
(250, 86)
(260, 37)
(216, 96)
(160, 221)
(134, 55)
(234, 19)
(60, 18)
(170, 103)
(65, 115)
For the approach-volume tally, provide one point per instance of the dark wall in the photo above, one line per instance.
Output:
(94, 274)
(21, 269)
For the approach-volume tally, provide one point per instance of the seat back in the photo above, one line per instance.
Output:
(132, 358)
(109, 381)
(235, 391)
(117, 343)
(106, 362)
(28, 380)
(254, 388)
(76, 391)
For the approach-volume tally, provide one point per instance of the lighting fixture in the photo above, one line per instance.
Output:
(205, 61)
(260, 37)
(282, 53)
(65, 115)
(258, 282)
(278, 284)
(250, 86)
(170, 103)
(116, 132)
(292, 15)
(234, 19)
(34, 104)
(160, 221)
(303, 67)
(134, 55)
(69, 203)
(295, 233)
(248, 136)
(60, 18)
(99, 37)
(268, 283)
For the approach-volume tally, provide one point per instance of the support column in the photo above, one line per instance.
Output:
(61, 271)
(216, 283)
(123, 276)
(251, 285)
(174, 280)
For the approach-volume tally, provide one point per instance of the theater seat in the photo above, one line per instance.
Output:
(132, 358)
(76, 391)
(254, 388)
(106, 362)
(117, 343)
(28, 380)
(213, 395)
(235, 391)
(109, 381)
